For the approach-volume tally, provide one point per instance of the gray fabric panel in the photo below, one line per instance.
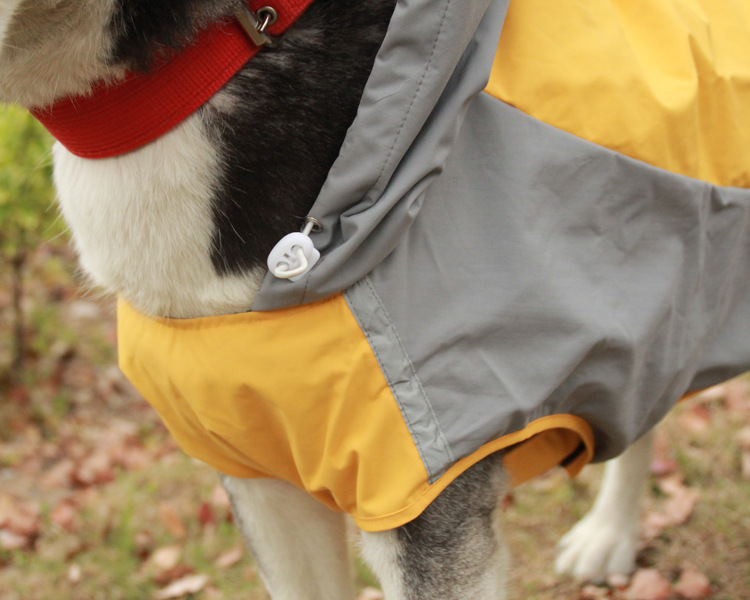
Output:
(728, 356)
(402, 379)
(436, 56)
(548, 275)
(522, 271)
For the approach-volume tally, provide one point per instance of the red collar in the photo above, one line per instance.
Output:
(121, 117)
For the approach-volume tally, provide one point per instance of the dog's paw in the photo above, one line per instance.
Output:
(598, 547)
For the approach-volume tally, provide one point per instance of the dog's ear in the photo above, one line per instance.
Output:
(52, 48)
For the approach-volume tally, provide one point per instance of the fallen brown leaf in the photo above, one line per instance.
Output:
(549, 481)
(206, 515)
(221, 504)
(660, 468)
(166, 558)
(676, 510)
(681, 506)
(737, 396)
(653, 524)
(60, 475)
(212, 593)
(743, 438)
(7, 508)
(696, 419)
(618, 581)
(693, 585)
(65, 515)
(20, 523)
(144, 543)
(131, 456)
(176, 573)
(508, 501)
(13, 541)
(230, 557)
(95, 469)
(648, 584)
(672, 484)
(219, 498)
(745, 460)
(192, 584)
(75, 548)
(19, 395)
(594, 592)
(74, 573)
(682, 499)
(714, 394)
(370, 594)
(172, 520)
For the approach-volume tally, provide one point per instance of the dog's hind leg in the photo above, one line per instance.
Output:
(605, 541)
(299, 545)
(453, 550)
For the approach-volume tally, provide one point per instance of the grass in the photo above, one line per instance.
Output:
(112, 564)
(716, 539)
(119, 526)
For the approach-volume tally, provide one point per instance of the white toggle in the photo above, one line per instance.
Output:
(293, 256)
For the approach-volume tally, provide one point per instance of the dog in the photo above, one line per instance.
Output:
(181, 229)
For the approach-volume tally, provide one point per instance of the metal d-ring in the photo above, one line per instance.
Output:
(255, 24)
(267, 15)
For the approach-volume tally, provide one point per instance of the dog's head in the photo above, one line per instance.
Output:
(54, 48)
(51, 48)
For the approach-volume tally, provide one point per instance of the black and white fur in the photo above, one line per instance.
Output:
(182, 227)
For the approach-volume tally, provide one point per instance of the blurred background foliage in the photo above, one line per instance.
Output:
(27, 213)
(28, 218)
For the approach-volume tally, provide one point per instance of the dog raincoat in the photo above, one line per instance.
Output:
(536, 238)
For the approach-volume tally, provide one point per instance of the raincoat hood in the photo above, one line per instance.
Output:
(536, 242)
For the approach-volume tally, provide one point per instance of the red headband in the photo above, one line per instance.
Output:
(125, 115)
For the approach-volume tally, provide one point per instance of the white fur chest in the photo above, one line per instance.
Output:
(142, 224)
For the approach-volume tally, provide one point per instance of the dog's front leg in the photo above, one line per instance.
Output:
(299, 544)
(453, 550)
(605, 541)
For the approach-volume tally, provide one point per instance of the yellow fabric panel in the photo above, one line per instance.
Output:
(666, 82)
(540, 446)
(297, 394)
(552, 439)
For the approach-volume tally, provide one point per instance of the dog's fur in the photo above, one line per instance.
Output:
(182, 227)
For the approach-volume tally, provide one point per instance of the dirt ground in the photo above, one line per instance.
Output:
(97, 502)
